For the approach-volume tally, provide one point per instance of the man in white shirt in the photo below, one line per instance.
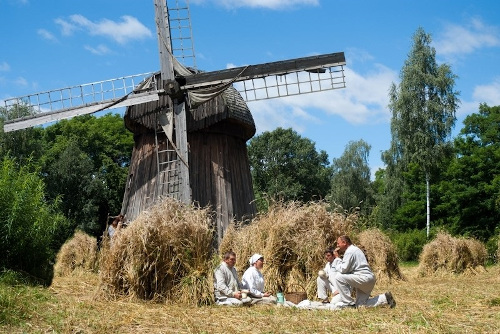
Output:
(253, 280)
(227, 287)
(326, 278)
(354, 272)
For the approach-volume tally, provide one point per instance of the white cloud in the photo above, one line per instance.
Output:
(489, 94)
(270, 4)
(460, 40)
(4, 67)
(67, 28)
(129, 28)
(46, 35)
(99, 50)
(20, 81)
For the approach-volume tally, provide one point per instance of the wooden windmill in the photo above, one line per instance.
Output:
(190, 127)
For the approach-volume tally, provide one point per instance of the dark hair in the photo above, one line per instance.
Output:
(329, 250)
(228, 254)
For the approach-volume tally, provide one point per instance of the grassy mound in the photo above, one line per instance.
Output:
(165, 254)
(292, 238)
(381, 254)
(446, 254)
(77, 255)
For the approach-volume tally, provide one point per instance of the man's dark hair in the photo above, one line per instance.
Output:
(329, 250)
(228, 254)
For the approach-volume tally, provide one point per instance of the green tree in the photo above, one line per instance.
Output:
(472, 186)
(86, 163)
(21, 144)
(351, 185)
(287, 167)
(423, 110)
(30, 227)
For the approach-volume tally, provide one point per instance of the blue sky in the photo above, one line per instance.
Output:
(53, 44)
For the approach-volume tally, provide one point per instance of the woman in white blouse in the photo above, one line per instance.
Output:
(253, 280)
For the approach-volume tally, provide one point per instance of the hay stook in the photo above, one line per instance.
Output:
(165, 254)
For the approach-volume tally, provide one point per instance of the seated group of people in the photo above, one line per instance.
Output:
(229, 290)
(341, 276)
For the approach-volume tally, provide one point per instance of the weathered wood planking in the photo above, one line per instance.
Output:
(219, 169)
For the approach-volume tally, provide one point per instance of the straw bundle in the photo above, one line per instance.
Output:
(381, 254)
(165, 254)
(446, 254)
(77, 255)
(292, 238)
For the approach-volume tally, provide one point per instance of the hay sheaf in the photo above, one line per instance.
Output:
(165, 254)
(77, 255)
(381, 254)
(449, 255)
(292, 238)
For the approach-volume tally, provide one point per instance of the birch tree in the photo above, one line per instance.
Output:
(423, 108)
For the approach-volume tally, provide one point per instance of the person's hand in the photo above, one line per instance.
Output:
(267, 294)
(336, 252)
(237, 295)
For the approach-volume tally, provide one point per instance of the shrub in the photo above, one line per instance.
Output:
(493, 248)
(409, 244)
(28, 224)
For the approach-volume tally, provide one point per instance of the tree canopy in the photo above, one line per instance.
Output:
(286, 166)
(351, 186)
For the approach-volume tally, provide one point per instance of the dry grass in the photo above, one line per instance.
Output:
(77, 255)
(381, 254)
(452, 304)
(165, 255)
(448, 255)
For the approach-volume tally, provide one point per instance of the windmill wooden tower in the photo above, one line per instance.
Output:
(190, 127)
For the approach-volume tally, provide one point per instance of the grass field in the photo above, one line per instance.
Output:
(448, 304)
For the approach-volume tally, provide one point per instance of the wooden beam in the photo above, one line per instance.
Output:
(52, 116)
(262, 70)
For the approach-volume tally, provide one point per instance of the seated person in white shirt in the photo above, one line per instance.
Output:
(253, 280)
(326, 278)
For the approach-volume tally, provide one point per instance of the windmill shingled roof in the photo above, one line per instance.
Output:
(227, 109)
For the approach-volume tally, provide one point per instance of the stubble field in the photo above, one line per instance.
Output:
(446, 304)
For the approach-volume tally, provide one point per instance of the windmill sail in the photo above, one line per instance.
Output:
(254, 82)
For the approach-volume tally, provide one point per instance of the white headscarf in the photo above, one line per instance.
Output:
(254, 258)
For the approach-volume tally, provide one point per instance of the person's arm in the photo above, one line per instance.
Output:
(343, 265)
